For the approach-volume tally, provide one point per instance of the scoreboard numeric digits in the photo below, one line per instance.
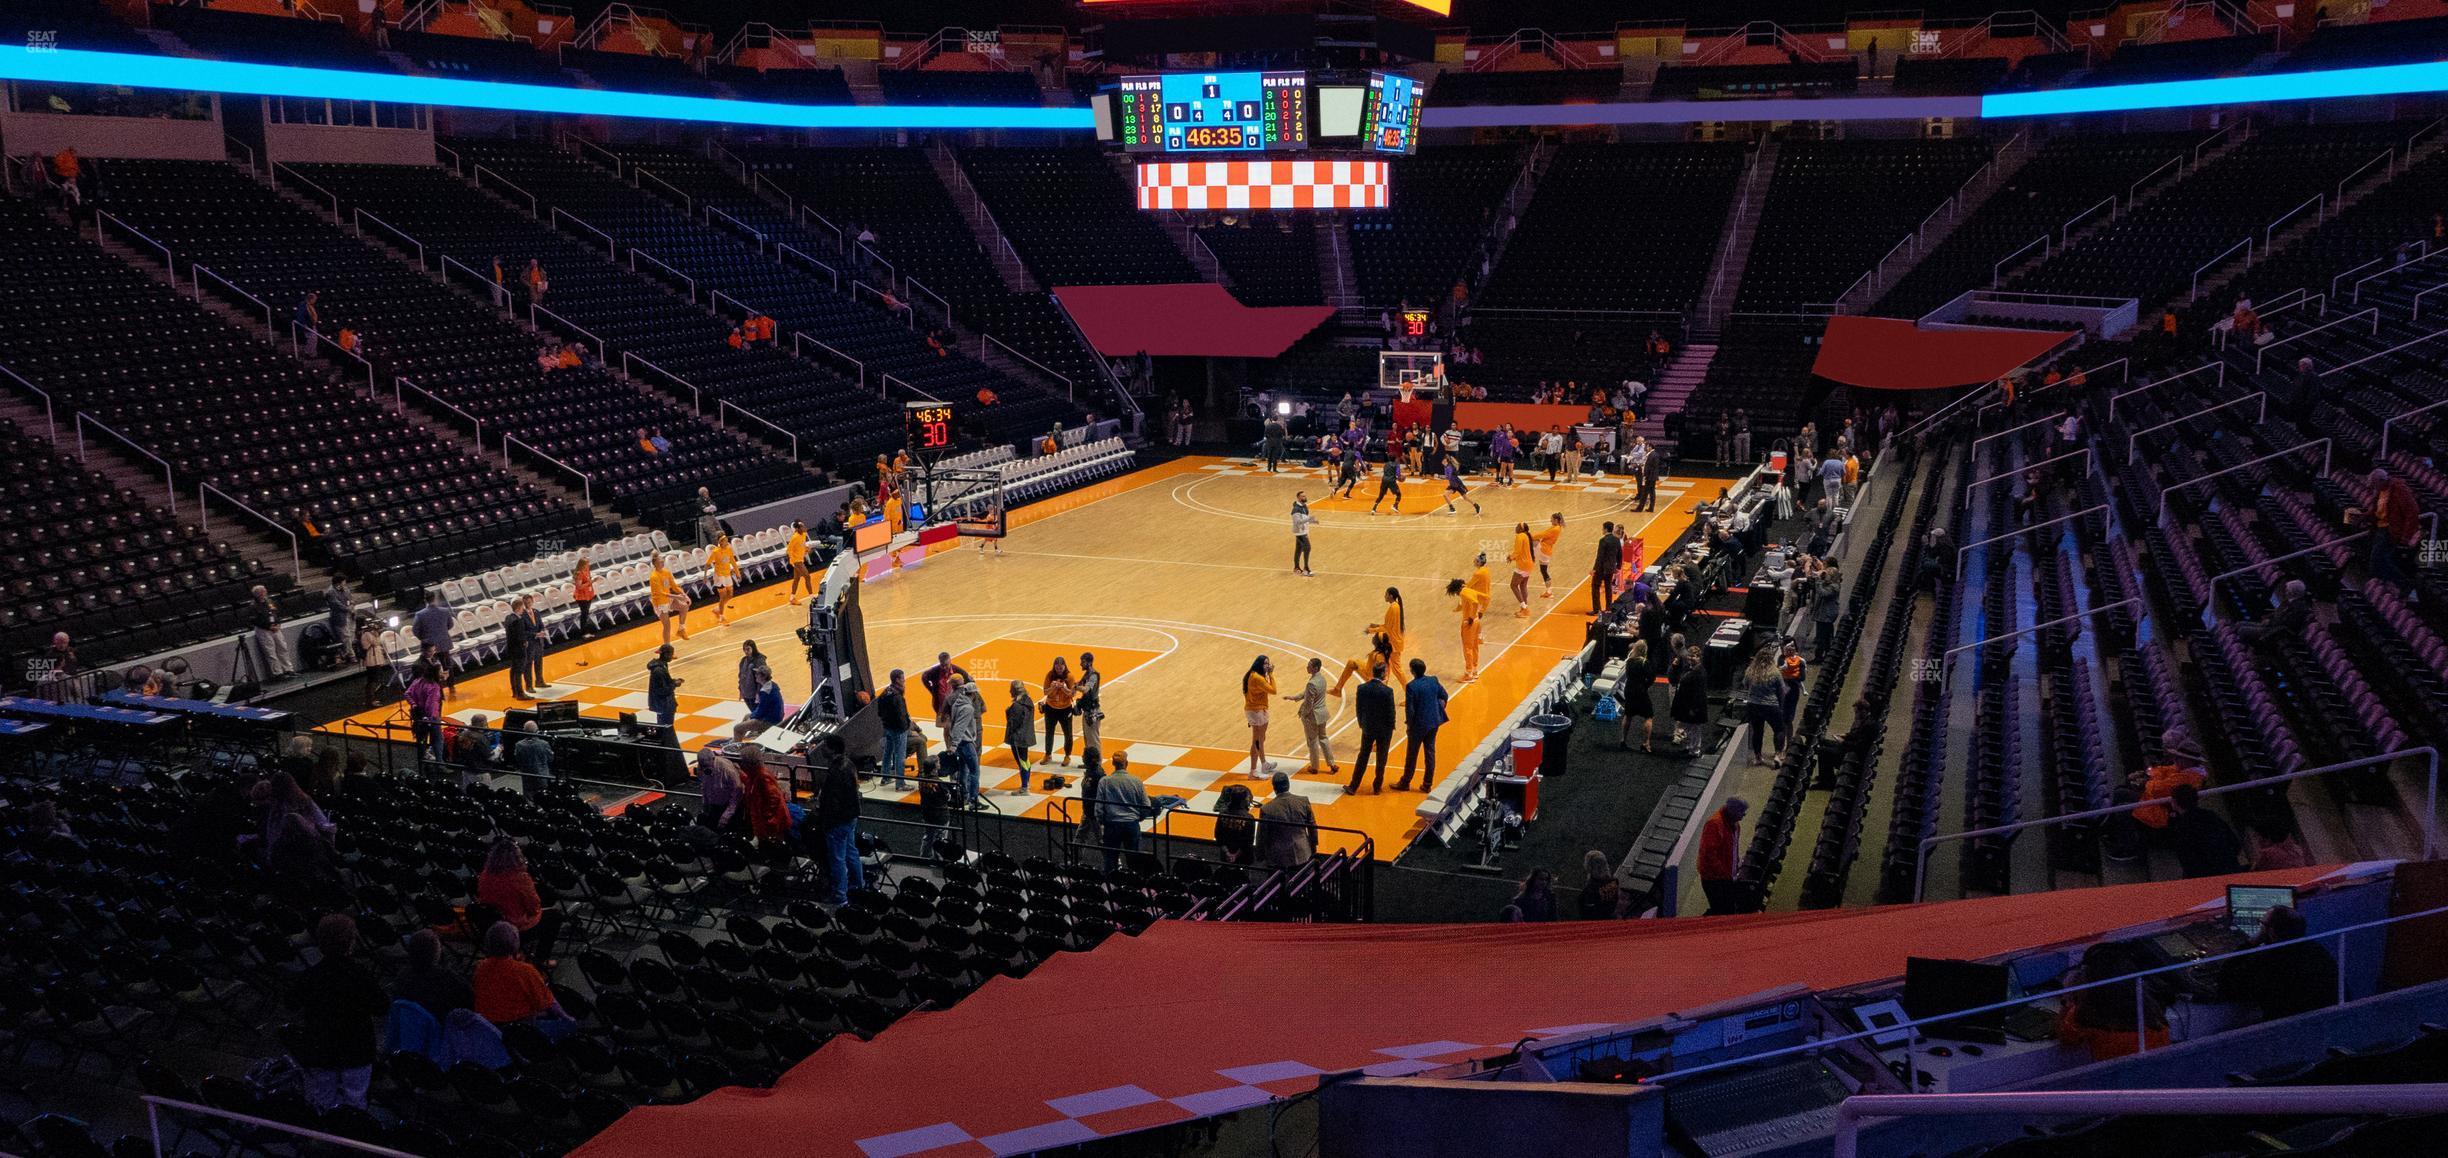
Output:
(929, 425)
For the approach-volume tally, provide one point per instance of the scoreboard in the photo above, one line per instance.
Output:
(1212, 112)
(929, 425)
(1389, 123)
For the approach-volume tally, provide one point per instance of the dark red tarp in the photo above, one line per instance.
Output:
(1895, 354)
(1191, 1018)
(1195, 320)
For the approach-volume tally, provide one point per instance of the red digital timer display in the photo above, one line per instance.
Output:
(930, 426)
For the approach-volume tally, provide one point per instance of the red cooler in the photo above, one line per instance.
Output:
(1529, 745)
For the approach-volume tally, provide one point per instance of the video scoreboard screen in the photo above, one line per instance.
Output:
(1390, 121)
(1212, 112)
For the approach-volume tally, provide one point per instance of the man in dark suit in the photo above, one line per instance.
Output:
(1423, 714)
(519, 634)
(1603, 568)
(1374, 705)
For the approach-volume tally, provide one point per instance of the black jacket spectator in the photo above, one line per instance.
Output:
(2204, 845)
(837, 799)
(892, 709)
(1373, 704)
(338, 1002)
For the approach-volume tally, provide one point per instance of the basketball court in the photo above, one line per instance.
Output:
(1175, 576)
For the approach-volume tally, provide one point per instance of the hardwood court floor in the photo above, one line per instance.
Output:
(1176, 577)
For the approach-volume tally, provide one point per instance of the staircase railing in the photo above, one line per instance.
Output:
(586, 483)
(724, 407)
(665, 266)
(800, 340)
(399, 384)
(197, 273)
(1070, 390)
(696, 396)
(358, 217)
(2218, 262)
(169, 482)
(2306, 1101)
(50, 408)
(297, 561)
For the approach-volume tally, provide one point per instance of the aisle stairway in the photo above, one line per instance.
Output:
(1734, 249)
(1674, 387)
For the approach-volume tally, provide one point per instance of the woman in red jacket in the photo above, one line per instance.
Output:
(506, 885)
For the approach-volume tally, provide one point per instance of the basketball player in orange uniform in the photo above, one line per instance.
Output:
(1525, 557)
(1547, 537)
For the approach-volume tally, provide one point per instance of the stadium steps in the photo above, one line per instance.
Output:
(115, 461)
(1674, 387)
(1734, 246)
(1974, 194)
(1334, 248)
(990, 237)
(1193, 248)
(1786, 894)
(2205, 159)
(2295, 232)
(1506, 220)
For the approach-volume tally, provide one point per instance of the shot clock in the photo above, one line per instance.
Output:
(929, 425)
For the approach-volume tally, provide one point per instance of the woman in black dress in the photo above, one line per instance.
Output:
(1236, 834)
(1632, 691)
(1690, 708)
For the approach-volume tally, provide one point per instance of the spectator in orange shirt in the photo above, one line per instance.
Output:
(509, 991)
(2161, 780)
(507, 885)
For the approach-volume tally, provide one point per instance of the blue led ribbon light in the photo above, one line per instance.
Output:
(2376, 80)
(138, 70)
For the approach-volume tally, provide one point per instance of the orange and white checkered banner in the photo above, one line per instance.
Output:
(1262, 185)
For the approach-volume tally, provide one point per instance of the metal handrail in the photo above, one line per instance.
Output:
(804, 214)
(249, 150)
(635, 254)
(2420, 295)
(478, 176)
(799, 337)
(2274, 560)
(2023, 530)
(713, 211)
(1985, 439)
(2217, 262)
(2387, 157)
(912, 286)
(169, 261)
(696, 396)
(2083, 452)
(2135, 190)
(1059, 811)
(2261, 352)
(197, 272)
(400, 383)
(2137, 978)
(687, 202)
(360, 217)
(300, 178)
(2384, 353)
(781, 248)
(80, 421)
(441, 150)
(2219, 366)
(155, 1104)
(497, 291)
(586, 483)
(2393, 420)
(2256, 396)
(1069, 388)
(2318, 204)
(583, 144)
(297, 346)
(2430, 815)
(1934, 415)
(2307, 1100)
(1997, 271)
(297, 564)
(558, 214)
(601, 349)
(50, 410)
(886, 302)
(2065, 231)
(2160, 516)
(2392, 271)
(724, 407)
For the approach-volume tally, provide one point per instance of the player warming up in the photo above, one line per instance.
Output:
(1547, 537)
(1379, 652)
(1391, 627)
(1524, 558)
(1454, 488)
(1389, 480)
